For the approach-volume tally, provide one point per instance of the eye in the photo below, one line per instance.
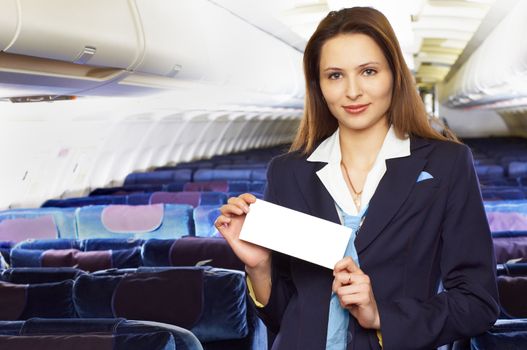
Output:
(369, 72)
(334, 75)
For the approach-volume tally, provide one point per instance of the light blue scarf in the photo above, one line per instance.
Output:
(338, 336)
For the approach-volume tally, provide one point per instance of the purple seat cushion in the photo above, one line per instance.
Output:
(507, 248)
(20, 229)
(507, 221)
(132, 219)
(211, 186)
(191, 198)
(87, 261)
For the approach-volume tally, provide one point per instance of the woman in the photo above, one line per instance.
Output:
(365, 156)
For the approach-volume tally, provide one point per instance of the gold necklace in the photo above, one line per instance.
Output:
(356, 195)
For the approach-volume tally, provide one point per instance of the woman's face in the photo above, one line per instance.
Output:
(356, 81)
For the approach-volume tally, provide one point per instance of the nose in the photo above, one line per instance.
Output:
(354, 89)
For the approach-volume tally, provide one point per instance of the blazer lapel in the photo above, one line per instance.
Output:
(315, 195)
(393, 189)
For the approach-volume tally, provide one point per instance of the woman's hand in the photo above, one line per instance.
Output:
(257, 259)
(230, 223)
(354, 291)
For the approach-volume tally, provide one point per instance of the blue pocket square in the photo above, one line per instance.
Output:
(424, 176)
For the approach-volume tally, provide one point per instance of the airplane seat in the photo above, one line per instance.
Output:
(138, 198)
(43, 244)
(229, 158)
(19, 224)
(174, 186)
(259, 175)
(5, 251)
(188, 165)
(244, 165)
(509, 248)
(504, 335)
(30, 275)
(192, 198)
(204, 217)
(258, 186)
(211, 186)
(507, 215)
(83, 245)
(87, 261)
(156, 252)
(128, 189)
(189, 198)
(84, 201)
(49, 300)
(512, 291)
(191, 251)
(239, 186)
(154, 340)
(490, 172)
(211, 303)
(140, 221)
(222, 174)
(517, 169)
(258, 195)
(497, 183)
(483, 160)
(110, 334)
(158, 177)
(496, 193)
(110, 244)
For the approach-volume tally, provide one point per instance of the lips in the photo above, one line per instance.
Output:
(356, 109)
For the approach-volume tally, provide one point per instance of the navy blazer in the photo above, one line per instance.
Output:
(415, 235)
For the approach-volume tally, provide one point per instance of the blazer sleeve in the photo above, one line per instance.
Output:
(468, 305)
(282, 287)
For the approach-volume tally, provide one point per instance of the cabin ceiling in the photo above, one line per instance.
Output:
(433, 34)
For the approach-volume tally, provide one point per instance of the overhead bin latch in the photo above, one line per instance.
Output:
(175, 70)
(85, 55)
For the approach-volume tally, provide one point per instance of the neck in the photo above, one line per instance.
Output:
(359, 149)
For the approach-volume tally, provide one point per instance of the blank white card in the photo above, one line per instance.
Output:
(294, 233)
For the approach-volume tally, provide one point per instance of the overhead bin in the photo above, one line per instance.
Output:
(176, 40)
(198, 40)
(129, 47)
(490, 77)
(96, 32)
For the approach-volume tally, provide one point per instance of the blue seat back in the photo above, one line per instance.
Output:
(175, 221)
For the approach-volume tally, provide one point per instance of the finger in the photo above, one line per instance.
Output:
(346, 263)
(222, 221)
(240, 203)
(343, 277)
(356, 299)
(248, 197)
(352, 289)
(228, 209)
(347, 278)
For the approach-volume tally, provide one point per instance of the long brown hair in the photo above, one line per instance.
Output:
(406, 113)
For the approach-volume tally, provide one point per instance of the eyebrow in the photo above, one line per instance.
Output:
(359, 66)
